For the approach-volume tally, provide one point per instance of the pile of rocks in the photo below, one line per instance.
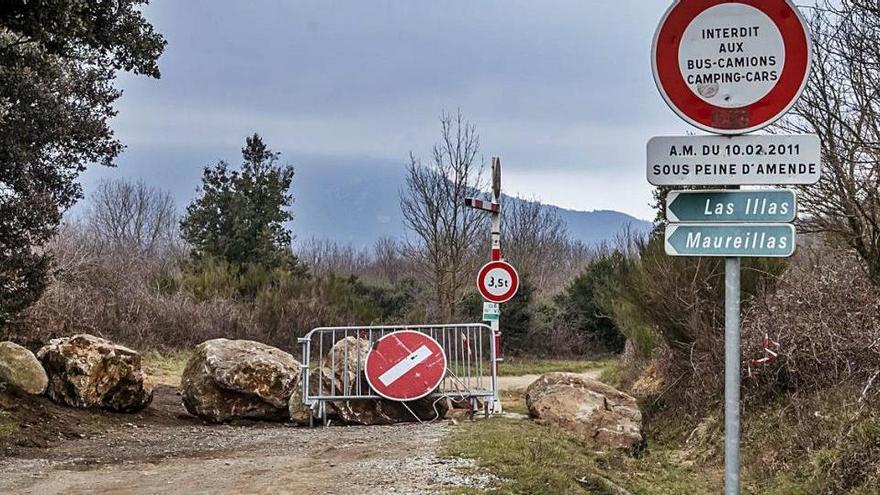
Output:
(80, 371)
(20, 370)
(337, 373)
(241, 379)
(223, 380)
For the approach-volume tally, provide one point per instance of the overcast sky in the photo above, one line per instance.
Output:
(561, 90)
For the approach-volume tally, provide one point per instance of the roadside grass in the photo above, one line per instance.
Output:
(612, 374)
(518, 366)
(529, 458)
(166, 368)
(532, 458)
(537, 460)
(514, 402)
(8, 424)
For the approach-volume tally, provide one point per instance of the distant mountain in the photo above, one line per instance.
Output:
(359, 203)
(348, 200)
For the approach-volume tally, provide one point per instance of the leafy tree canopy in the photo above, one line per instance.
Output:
(239, 215)
(58, 61)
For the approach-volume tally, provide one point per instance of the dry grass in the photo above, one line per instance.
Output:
(534, 459)
(518, 366)
(538, 459)
(165, 368)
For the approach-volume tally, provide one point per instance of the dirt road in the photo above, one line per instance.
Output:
(166, 451)
(519, 384)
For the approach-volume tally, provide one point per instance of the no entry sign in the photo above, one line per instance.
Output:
(498, 281)
(405, 365)
(731, 66)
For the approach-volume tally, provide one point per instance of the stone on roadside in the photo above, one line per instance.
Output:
(87, 371)
(239, 379)
(20, 369)
(594, 411)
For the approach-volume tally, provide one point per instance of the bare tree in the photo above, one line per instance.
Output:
(327, 257)
(445, 230)
(132, 218)
(388, 260)
(842, 105)
(535, 239)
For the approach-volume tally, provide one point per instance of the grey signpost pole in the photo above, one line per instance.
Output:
(496, 256)
(731, 375)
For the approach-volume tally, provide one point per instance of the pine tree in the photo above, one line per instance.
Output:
(239, 215)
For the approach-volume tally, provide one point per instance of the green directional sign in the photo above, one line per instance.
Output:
(760, 206)
(730, 240)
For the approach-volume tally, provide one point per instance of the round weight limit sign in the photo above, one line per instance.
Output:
(498, 281)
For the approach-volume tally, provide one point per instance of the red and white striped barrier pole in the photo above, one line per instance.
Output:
(770, 355)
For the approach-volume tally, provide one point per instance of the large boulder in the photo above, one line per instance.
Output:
(239, 379)
(593, 410)
(338, 373)
(20, 369)
(87, 371)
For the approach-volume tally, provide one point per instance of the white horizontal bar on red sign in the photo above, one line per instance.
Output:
(482, 205)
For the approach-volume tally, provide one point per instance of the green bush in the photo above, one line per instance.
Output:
(587, 304)
(683, 298)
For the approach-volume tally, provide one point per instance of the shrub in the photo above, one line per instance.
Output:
(826, 317)
(586, 307)
(675, 305)
(167, 303)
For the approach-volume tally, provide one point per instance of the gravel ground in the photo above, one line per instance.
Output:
(59, 450)
(168, 452)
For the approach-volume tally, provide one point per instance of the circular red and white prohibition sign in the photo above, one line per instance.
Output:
(405, 365)
(498, 281)
(731, 66)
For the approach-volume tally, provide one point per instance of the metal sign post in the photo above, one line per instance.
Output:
(494, 208)
(731, 67)
(496, 256)
(731, 375)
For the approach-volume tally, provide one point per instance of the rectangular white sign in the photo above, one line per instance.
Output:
(734, 160)
(491, 311)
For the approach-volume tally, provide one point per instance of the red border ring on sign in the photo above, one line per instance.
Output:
(696, 111)
(514, 286)
(395, 399)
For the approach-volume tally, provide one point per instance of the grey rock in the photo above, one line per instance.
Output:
(20, 369)
(88, 371)
(596, 412)
(239, 379)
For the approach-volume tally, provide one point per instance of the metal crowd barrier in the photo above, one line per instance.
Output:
(470, 376)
